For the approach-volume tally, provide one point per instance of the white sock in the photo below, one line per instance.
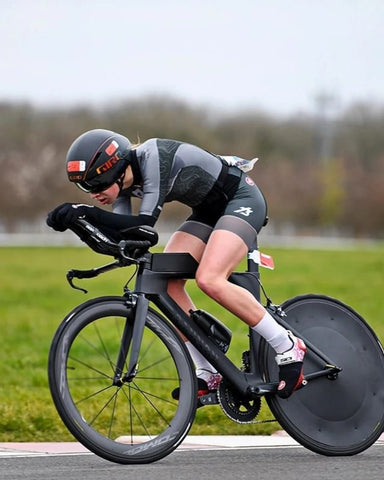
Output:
(203, 368)
(273, 333)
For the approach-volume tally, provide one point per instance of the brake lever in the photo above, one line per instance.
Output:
(94, 272)
(70, 276)
(138, 244)
(122, 246)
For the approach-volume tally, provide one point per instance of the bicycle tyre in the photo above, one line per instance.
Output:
(343, 416)
(137, 422)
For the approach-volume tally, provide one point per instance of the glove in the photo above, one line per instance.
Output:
(63, 216)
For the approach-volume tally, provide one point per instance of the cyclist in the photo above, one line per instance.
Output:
(228, 211)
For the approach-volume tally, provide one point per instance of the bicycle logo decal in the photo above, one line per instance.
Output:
(246, 211)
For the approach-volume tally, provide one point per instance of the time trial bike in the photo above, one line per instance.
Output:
(114, 361)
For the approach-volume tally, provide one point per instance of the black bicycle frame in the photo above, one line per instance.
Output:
(151, 285)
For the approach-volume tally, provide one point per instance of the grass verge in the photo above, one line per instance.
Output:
(35, 297)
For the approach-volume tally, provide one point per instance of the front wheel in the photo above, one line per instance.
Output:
(136, 421)
(342, 414)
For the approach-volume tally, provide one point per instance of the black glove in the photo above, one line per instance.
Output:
(63, 216)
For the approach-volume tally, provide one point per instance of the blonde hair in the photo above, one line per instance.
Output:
(137, 144)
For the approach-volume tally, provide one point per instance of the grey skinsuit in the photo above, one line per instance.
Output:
(172, 170)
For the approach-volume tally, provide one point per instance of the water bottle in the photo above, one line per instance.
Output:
(213, 328)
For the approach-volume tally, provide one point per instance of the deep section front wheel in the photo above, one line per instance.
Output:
(341, 414)
(136, 421)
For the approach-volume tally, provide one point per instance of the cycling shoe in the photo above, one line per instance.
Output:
(291, 367)
(203, 386)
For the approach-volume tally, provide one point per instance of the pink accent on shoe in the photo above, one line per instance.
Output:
(294, 354)
(299, 349)
(213, 381)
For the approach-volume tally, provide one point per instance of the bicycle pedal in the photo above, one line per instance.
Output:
(208, 399)
(303, 383)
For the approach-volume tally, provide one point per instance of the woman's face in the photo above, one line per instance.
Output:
(108, 196)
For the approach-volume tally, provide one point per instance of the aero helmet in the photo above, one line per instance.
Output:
(97, 159)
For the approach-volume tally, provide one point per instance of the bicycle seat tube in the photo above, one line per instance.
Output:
(152, 281)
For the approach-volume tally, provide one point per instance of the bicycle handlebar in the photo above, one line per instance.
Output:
(92, 273)
(126, 252)
(127, 249)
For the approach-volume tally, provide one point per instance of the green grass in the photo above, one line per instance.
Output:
(35, 297)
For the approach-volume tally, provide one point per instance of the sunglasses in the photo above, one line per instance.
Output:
(99, 186)
(86, 187)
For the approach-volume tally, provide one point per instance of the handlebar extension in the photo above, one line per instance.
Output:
(124, 249)
(126, 252)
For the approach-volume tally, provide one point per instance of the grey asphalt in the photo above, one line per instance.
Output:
(192, 442)
(290, 462)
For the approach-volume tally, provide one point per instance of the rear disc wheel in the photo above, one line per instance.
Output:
(342, 414)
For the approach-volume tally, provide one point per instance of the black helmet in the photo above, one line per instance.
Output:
(97, 159)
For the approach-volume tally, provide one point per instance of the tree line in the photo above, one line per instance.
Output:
(318, 174)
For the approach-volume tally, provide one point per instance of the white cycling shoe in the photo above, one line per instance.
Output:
(291, 367)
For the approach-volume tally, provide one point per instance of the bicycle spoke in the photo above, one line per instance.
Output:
(104, 355)
(94, 394)
(104, 407)
(138, 416)
(153, 364)
(144, 392)
(90, 367)
(112, 417)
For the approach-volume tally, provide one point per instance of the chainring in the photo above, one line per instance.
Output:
(237, 408)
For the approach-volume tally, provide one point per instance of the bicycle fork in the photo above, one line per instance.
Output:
(131, 340)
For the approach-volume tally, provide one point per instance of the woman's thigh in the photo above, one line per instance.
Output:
(223, 253)
(191, 237)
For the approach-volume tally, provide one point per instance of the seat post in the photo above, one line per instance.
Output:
(253, 267)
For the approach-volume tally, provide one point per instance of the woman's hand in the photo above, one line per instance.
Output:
(64, 215)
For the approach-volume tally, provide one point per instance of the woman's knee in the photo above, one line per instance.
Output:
(209, 282)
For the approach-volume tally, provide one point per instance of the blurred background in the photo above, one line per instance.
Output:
(298, 84)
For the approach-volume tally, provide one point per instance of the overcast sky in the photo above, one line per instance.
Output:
(276, 55)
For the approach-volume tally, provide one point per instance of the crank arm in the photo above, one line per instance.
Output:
(262, 389)
(330, 371)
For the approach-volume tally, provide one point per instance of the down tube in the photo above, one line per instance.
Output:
(197, 337)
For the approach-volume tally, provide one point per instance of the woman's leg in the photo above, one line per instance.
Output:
(181, 242)
(224, 251)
